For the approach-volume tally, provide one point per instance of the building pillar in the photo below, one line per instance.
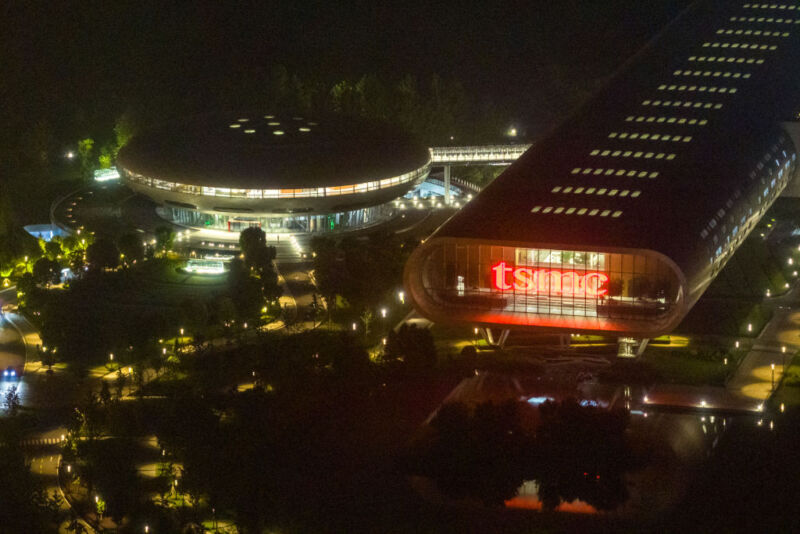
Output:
(629, 347)
(447, 185)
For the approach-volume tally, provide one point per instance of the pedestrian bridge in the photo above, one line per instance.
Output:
(486, 154)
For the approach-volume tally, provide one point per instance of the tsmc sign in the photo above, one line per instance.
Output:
(551, 281)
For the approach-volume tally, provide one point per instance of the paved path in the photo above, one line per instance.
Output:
(761, 370)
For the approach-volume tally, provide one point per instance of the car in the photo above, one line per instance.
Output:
(9, 373)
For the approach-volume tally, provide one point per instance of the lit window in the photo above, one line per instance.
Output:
(249, 131)
(277, 132)
(636, 194)
(582, 211)
(570, 211)
(605, 213)
(593, 212)
(613, 192)
(536, 209)
(567, 189)
(548, 209)
(617, 214)
(556, 189)
(579, 190)
(558, 210)
(576, 170)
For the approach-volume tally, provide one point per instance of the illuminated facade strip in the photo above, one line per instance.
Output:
(316, 192)
(477, 154)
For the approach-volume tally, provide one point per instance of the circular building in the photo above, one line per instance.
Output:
(284, 174)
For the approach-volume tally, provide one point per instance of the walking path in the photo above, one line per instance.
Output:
(762, 368)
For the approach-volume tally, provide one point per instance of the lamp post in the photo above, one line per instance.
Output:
(773, 376)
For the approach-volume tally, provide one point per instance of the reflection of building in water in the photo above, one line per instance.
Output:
(620, 219)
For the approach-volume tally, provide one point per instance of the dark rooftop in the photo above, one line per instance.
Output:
(678, 131)
(270, 151)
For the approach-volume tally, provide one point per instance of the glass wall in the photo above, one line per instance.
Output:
(290, 224)
(549, 282)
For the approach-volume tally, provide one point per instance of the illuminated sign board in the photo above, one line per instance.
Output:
(548, 281)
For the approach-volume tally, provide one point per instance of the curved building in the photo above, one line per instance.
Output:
(284, 174)
(620, 219)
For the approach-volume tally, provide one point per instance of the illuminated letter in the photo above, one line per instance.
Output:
(500, 271)
(571, 283)
(593, 283)
(522, 279)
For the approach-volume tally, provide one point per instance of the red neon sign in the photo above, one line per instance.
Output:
(550, 281)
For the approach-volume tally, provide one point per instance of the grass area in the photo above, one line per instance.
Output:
(159, 282)
(727, 317)
(755, 268)
(688, 362)
(681, 367)
(788, 391)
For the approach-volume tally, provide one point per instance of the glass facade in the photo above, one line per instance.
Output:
(313, 192)
(513, 282)
(290, 224)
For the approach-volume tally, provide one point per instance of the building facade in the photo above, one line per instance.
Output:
(620, 219)
(284, 174)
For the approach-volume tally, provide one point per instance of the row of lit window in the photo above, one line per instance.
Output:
(751, 46)
(682, 104)
(715, 73)
(615, 172)
(277, 193)
(591, 212)
(765, 33)
(762, 19)
(631, 154)
(649, 136)
(790, 7)
(723, 59)
(596, 191)
(700, 88)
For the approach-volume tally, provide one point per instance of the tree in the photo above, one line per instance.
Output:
(165, 238)
(252, 241)
(195, 314)
(11, 403)
(46, 271)
(85, 147)
(415, 345)
(102, 254)
(131, 247)
(52, 249)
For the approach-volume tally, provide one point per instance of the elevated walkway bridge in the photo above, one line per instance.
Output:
(447, 156)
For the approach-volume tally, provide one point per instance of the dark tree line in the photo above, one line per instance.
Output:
(364, 272)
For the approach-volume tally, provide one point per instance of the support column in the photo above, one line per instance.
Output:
(499, 342)
(629, 347)
(447, 185)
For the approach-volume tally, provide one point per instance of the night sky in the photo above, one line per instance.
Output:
(82, 62)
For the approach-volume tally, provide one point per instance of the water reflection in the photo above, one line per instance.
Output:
(512, 442)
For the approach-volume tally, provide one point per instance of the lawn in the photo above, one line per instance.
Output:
(691, 366)
(788, 392)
